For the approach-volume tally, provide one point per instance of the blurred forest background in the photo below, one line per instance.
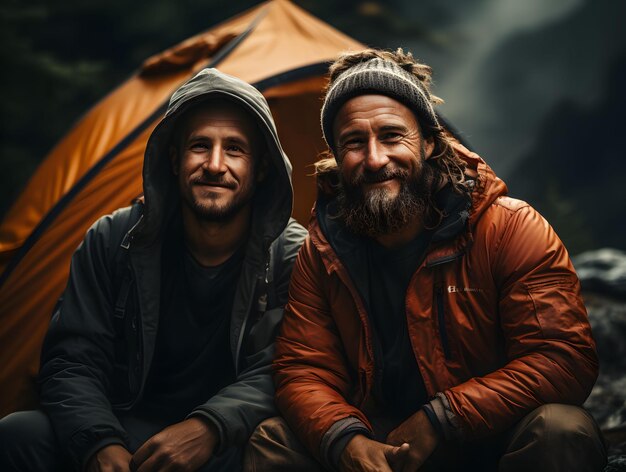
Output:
(537, 88)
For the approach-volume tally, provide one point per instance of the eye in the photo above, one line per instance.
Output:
(352, 143)
(234, 149)
(390, 136)
(199, 147)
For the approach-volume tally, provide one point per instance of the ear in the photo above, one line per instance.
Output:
(263, 168)
(174, 161)
(429, 146)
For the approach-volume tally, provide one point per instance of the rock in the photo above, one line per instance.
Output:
(607, 401)
(603, 277)
(602, 271)
(607, 316)
(616, 464)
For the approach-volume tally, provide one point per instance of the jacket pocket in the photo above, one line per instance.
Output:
(559, 311)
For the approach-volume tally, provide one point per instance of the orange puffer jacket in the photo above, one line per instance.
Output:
(495, 319)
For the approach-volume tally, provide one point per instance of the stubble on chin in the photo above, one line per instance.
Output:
(209, 208)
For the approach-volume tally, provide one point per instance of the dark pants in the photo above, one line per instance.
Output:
(28, 443)
(553, 438)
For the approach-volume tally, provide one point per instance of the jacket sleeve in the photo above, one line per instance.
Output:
(312, 379)
(77, 355)
(238, 408)
(548, 342)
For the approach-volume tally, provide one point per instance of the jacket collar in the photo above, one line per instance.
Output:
(450, 239)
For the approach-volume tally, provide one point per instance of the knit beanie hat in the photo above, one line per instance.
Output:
(381, 77)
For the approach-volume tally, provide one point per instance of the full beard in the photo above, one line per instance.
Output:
(376, 213)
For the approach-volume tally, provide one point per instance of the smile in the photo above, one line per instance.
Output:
(379, 182)
(215, 185)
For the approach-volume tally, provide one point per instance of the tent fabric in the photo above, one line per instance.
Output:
(96, 167)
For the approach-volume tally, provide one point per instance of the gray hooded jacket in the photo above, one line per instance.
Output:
(100, 344)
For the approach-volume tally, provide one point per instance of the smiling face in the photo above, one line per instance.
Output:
(214, 158)
(382, 157)
(379, 143)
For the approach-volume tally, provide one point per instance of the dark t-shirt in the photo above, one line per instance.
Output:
(390, 271)
(192, 359)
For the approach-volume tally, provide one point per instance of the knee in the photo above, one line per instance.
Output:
(273, 446)
(271, 431)
(566, 425)
(567, 430)
(260, 452)
(26, 439)
(271, 427)
(14, 430)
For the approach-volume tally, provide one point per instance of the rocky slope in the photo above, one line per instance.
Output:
(603, 278)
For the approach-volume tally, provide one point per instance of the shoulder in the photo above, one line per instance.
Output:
(118, 223)
(509, 222)
(519, 240)
(510, 204)
(294, 231)
(505, 213)
(286, 246)
(108, 231)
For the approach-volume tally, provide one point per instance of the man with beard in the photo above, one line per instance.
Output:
(158, 355)
(433, 323)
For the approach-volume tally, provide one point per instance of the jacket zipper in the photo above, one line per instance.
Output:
(135, 365)
(136, 326)
(243, 328)
(135, 388)
(374, 348)
(378, 369)
(248, 310)
(439, 301)
(441, 320)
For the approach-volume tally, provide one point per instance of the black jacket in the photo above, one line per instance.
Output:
(100, 344)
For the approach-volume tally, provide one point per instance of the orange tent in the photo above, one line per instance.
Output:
(96, 167)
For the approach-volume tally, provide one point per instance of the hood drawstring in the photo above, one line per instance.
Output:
(128, 237)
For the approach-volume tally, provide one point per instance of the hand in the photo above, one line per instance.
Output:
(362, 454)
(184, 446)
(421, 436)
(113, 458)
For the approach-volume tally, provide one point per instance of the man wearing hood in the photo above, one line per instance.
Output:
(158, 354)
(433, 323)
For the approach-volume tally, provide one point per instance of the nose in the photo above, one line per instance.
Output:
(376, 157)
(215, 163)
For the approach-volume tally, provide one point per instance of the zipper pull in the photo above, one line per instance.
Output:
(267, 270)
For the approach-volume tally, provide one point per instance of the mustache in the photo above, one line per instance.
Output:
(214, 180)
(369, 177)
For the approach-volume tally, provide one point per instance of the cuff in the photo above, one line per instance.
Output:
(337, 438)
(432, 417)
(444, 416)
